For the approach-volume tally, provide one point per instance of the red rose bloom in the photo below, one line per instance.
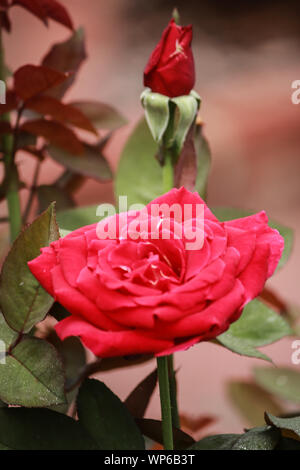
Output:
(151, 294)
(170, 70)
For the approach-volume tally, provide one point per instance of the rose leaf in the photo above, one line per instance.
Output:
(23, 300)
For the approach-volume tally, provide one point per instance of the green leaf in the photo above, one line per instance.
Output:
(217, 442)
(157, 113)
(252, 401)
(240, 346)
(290, 427)
(139, 398)
(152, 428)
(102, 115)
(282, 382)
(229, 213)
(258, 326)
(33, 375)
(264, 438)
(23, 300)
(90, 163)
(63, 233)
(106, 418)
(7, 335)
(138, 158)
(66, 56)
(187, 106)
(49, 193)
(41, 429)
(73, 219)
(288, 235)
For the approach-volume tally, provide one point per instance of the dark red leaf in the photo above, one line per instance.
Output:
(186, 167)
(58, 12)
(274, 300)
(112, 363)
(38, 153)
(66, 56)
(153, 429)
(194, 424)
(56, 133)
(30, 80)
(47, 105)
(5, 22)
(5, 127)
(11, 102)
(45, 9)
(35, 7)
(4, 4)
(139, 398)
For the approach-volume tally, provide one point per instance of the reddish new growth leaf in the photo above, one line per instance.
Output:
(4, 18)
(11, 102)
(196, 423)
(65, 57)
(56, 133)
(38, 153)
(30, 80)
(5, 127)
(47, 105)
(45, 9)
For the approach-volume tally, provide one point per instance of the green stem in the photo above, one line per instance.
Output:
(165, 402)
(168, 184)
(11, 172)
(173, 392)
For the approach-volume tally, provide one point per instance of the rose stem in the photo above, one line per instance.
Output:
(173, 392)
(165, 402)
(168, 184)
(11, 172)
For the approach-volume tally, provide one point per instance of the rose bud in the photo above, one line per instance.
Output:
(145, 289)
(170, 70)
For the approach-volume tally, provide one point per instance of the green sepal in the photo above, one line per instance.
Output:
(157, 113)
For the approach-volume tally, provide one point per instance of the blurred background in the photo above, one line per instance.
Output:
(247, 56)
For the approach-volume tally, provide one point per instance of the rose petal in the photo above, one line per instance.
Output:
(41, 268)
(77, 304)
(215, 315)
(72, 257)
(182, 197)
(255, 274)
(107, 343)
